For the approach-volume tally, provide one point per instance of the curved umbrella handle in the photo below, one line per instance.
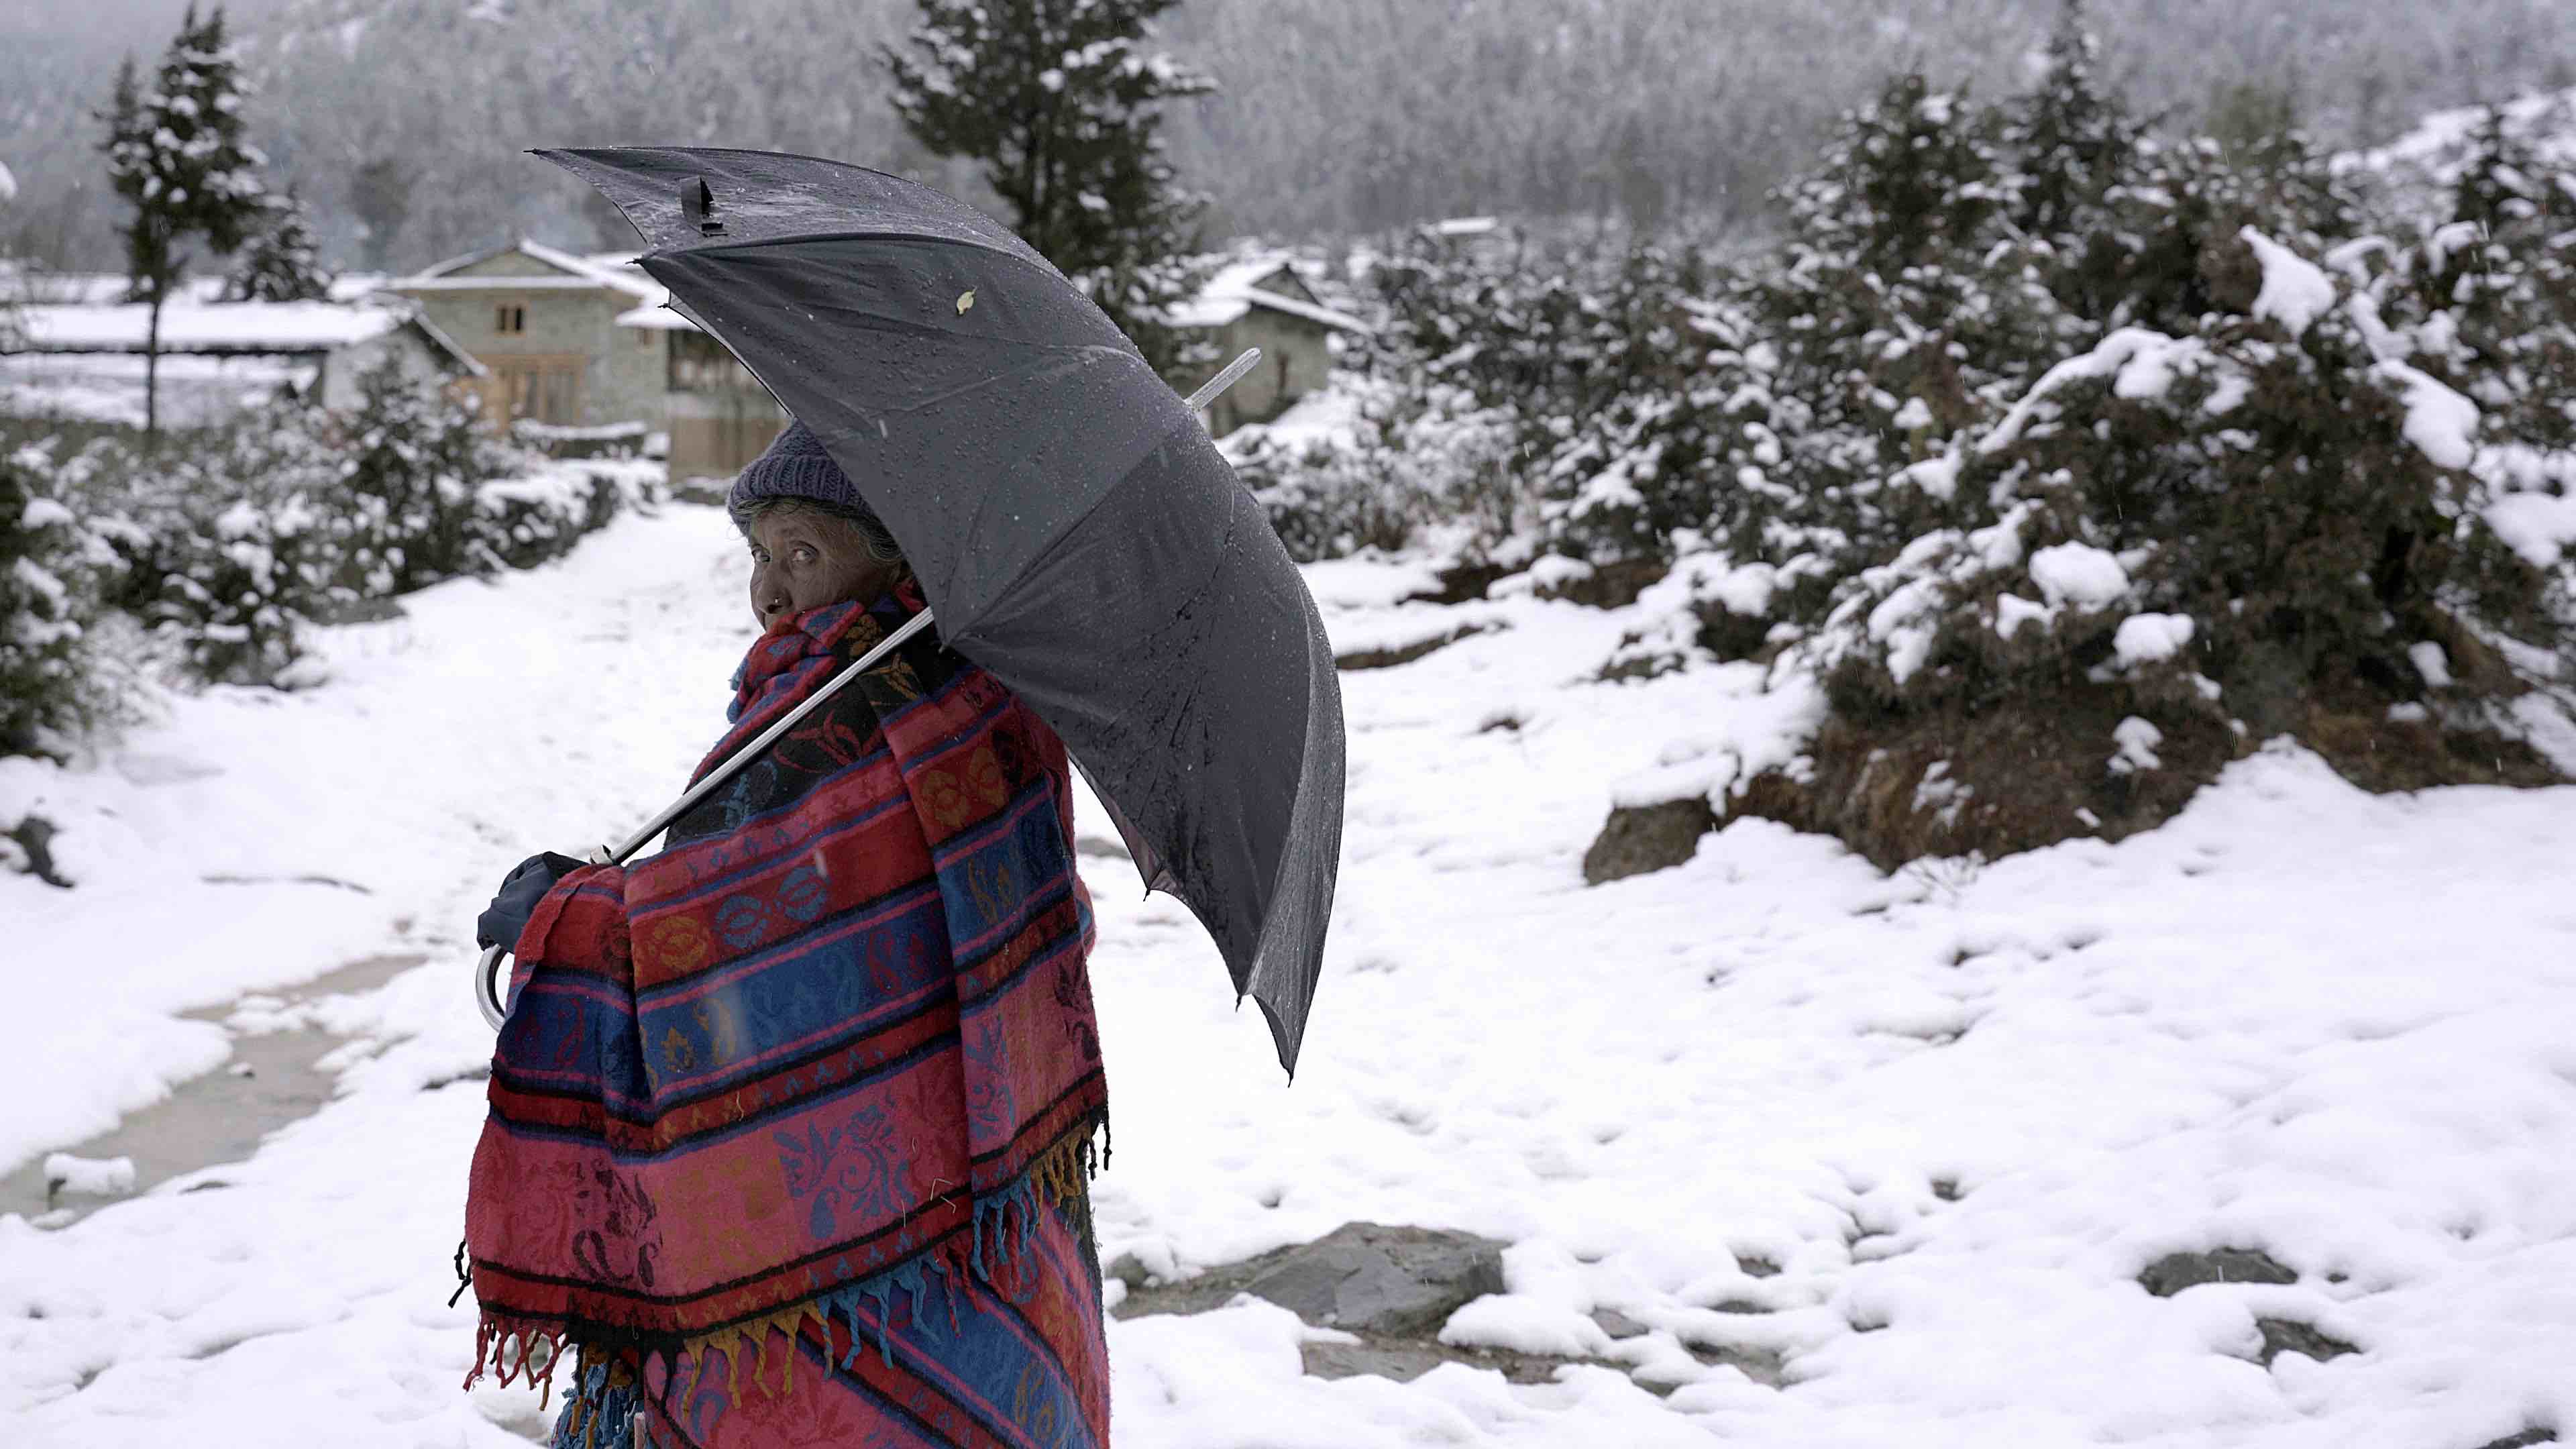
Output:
(485, 996)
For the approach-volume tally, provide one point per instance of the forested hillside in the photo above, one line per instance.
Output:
(402, 120)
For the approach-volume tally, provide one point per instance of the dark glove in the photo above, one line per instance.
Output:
(516, 900)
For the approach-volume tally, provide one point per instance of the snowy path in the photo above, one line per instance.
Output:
(1913, 1138)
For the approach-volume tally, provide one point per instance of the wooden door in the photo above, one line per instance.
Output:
(546, 389)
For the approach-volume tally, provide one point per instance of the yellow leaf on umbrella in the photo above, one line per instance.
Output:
(965, 300)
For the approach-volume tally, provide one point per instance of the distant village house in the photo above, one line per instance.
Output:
(573, 342)
(564, 347)
(1261, 301)
(86, 356)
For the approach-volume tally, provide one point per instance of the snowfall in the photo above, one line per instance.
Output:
(1916, 1135)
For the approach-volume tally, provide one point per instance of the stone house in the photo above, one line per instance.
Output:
(574, 341)
(1261, 301)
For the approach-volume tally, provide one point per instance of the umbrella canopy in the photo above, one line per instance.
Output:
(1074, 527)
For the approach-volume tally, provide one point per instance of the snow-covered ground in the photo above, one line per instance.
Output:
(1917, 1136)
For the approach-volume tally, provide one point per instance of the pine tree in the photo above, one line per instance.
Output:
(1061, 101)
(380, 194)
(2506, 183)
(2075, 140)
(2508, 286)
(1913, 178)
(2073, 145)
(278, 264)
(176, 153)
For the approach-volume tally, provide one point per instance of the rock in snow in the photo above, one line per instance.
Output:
(88, 1176)
(1371, 1278)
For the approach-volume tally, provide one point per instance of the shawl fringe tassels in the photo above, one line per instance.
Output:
(514, 1350)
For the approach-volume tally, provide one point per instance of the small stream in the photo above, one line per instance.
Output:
(273, 1078)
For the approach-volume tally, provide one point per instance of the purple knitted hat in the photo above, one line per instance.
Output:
(795, 466)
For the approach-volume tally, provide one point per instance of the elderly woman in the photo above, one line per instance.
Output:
(791, 1123)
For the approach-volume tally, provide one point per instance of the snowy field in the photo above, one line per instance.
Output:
(1915, 1136)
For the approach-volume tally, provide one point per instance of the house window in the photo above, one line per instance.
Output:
(509, 318)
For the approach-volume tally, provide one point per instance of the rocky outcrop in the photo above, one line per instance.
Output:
(2174, 1272)
(1361, 1277)
(1642, 838)
(1390, 1287)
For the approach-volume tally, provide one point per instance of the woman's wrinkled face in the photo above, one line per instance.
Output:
(803, 560)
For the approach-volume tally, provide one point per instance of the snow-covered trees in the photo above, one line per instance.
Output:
(227, 552)
(48, 694)
(410, 466)
(2059, 463)
(278, 263)
(1062, 100)
(176, 154)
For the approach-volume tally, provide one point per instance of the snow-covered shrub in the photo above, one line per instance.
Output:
(1411, 457)
(51, 690)
(427, 494)
(2485, 295)
(539, 510)
(1525, 373)
(2170, 546)
(230, 547)
(227, 547)
(411, 462)
(1327, 498)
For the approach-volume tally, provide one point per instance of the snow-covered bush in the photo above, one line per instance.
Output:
(1411, 457)
(2490, 286)
(411, 463)
(2170, 545)
(539, 510)
(51, 689)
(228, 547)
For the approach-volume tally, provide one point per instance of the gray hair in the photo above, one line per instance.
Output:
(874, 536)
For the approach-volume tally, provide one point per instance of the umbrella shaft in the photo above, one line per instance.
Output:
(768, 737)
(1234, 371)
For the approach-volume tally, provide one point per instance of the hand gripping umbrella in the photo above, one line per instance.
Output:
(1073, 526)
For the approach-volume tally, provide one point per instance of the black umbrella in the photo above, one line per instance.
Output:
(1074, 527)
